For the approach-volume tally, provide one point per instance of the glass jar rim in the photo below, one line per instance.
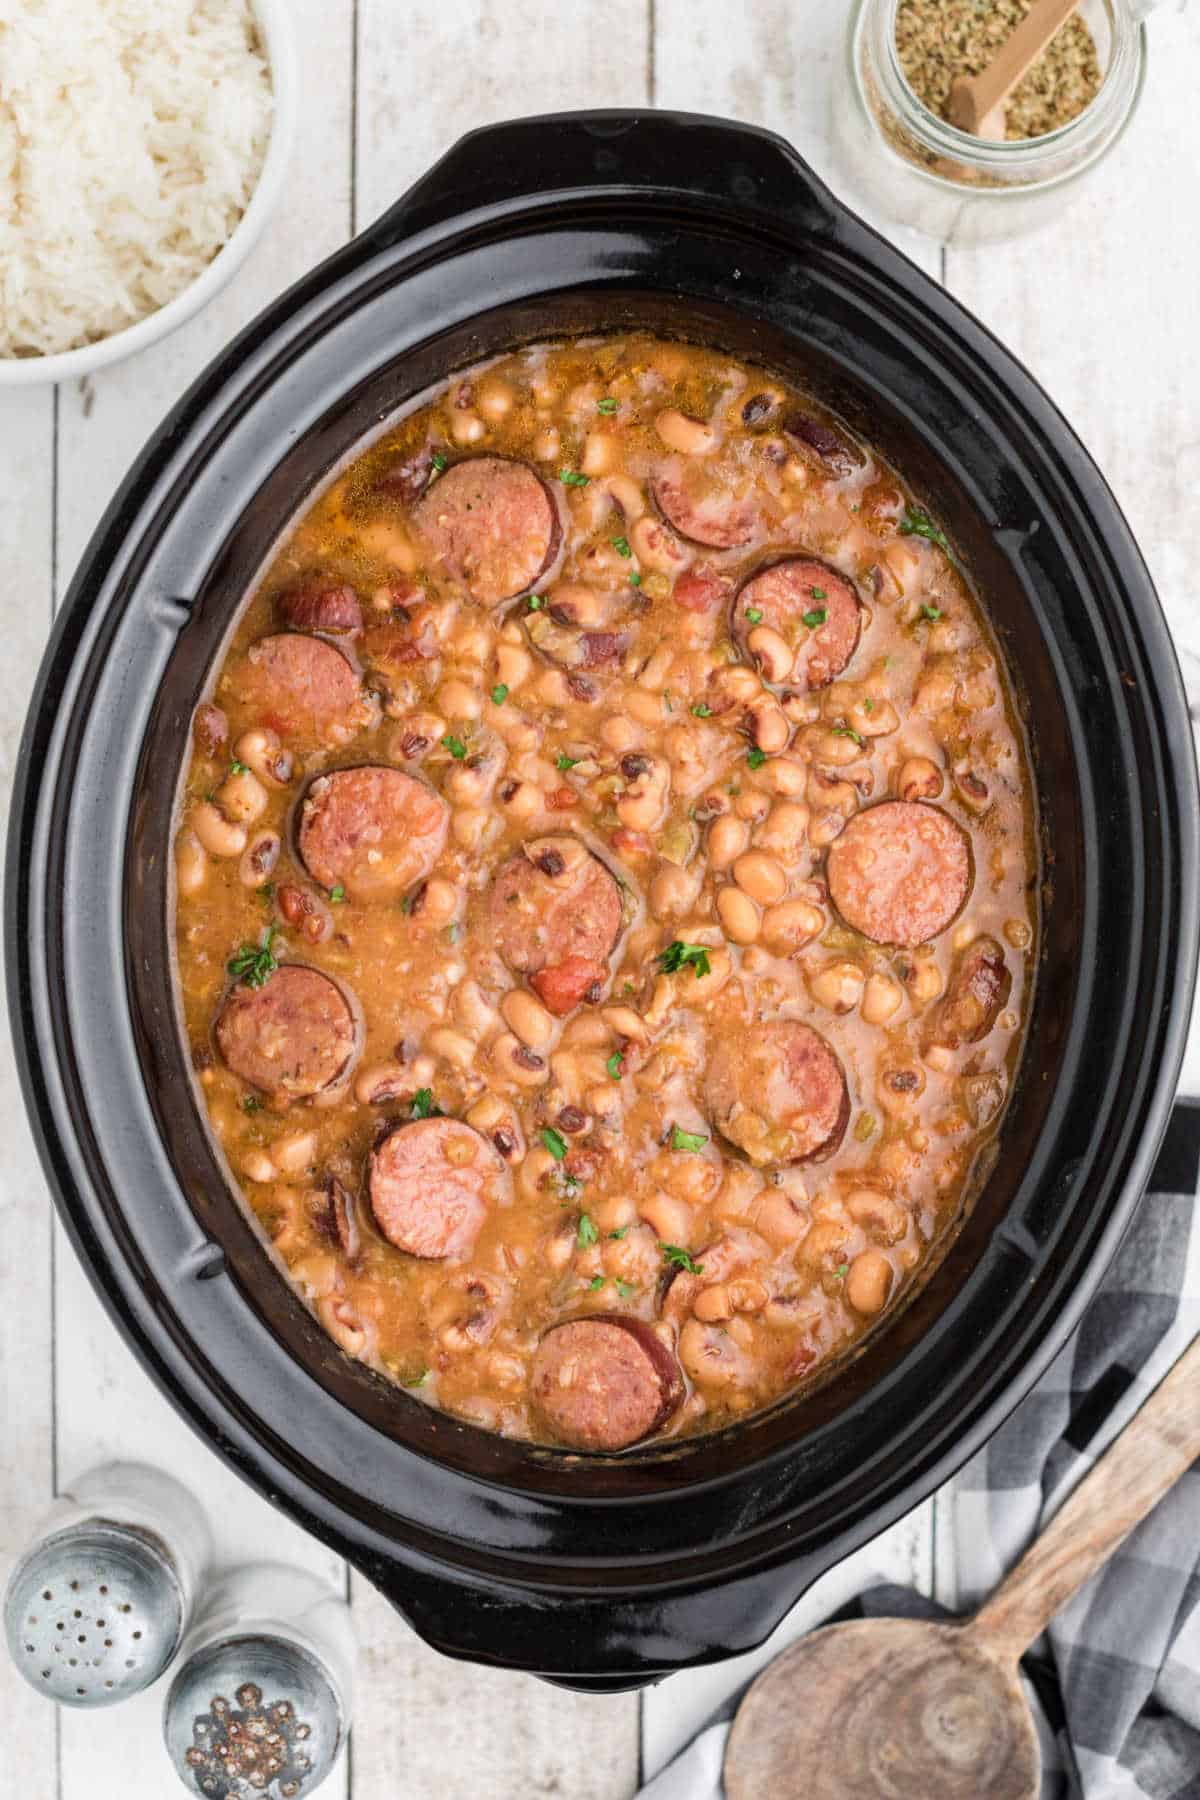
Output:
(1013, 155)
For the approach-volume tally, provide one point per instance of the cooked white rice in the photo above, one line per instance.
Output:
(132, 133)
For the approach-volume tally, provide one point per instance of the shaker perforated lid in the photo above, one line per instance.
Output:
(253, 1714)
(94, 1613)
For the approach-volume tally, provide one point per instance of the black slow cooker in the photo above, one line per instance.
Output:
(599, 1571)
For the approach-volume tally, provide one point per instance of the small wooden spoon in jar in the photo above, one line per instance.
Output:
(901, 1707)
(977, 102)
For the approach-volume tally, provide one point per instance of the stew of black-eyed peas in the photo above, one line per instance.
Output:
(606, 894)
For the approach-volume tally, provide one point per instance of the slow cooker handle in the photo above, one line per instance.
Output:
(705, 162)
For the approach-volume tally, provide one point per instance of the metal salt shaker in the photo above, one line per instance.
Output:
(260, 1703)
(98, 1605)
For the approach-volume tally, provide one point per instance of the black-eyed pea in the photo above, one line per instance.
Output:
(918, 779)
(585, 1032)
(656, 546)
(739, 916)
(834, 749)
(259, 858)
(784, 775)
(881, 998)
(436, 903)
(627, 495)
(878, 1214)
(261, 751)
(704, 988)
(513, 665)
(546, 445)
(516, 1062)
(824, 1243)
(643, 805)
(824, 827)
(924, 983)
(780, 1218)
(191, 863)
(521, 799)
(977, 692)
(873, 717)
(828, 792)
(601, 453)
(1018, 933)
(662, 1000)
(752, 805)
(382, 1082)
(626, 1023)
(713, 1304)
(459, 700)
(217, 834)
(899, 1087)
(937, 691)
(784, 831)
(939, 1058)
(747, 1294)
(735, 685)
(668, 1216)
(792, 924)
(728, 838)
(470, 784)
(691, 1178)
(771, 652)
(525, 1015)
(760, 876)
(494, 398)
(603, 1101)
(534, 1172)
(971, 788)
(768, 724)
(342, 1323)
(454, 1047)
(643, 707)
(838, 986)
(688, 436)
(656, 675)
(467, 428)
(869, 1282)
(257, 1166)
(904, 563)
(469, 825)
(672, 891)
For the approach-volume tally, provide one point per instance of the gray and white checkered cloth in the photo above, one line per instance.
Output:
(1115, 1682)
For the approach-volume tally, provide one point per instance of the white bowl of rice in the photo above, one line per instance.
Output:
(143, 144)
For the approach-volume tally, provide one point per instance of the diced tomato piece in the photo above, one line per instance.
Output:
(700, 590)
(563, 985)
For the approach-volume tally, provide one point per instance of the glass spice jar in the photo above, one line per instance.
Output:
(914, 167)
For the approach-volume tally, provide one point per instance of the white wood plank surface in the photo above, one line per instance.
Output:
(1101, 310)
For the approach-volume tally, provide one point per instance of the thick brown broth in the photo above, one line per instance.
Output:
(686, 892)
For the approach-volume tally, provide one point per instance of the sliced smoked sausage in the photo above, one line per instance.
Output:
(811, 607)
(317, 605)
(371, 831)
(779, 1093)
(979, 986)
(491, 525)
(604, 1382)
(700, 508)
(900, 872)
(303, 688)
(431, 1184)
(556, 907)
(294, 1036)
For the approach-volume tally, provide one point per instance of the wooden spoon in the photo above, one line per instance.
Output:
(899, 1707)
(977, 101)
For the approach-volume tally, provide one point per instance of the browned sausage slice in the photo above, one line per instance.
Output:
(700, 509)
(553, 902)
(293, 1036)
(491, 525)
(979, 986)
(431, 1183)
(780, 1093)
(783, 597)
(602, 1383)
(900, 872)
(317, 605)
(303, 688)
(372, 831)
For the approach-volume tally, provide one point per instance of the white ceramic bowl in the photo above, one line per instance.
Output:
(278, 31)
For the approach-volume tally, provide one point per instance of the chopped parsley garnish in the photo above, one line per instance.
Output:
(687, 1140)
(845, 731)
(756, 758)
(868, 705)
(251, 1104)
(535, 602)
(817, 593)
(439, 461)
(620, 1233)
(555, 1143)
(701, 711)
(932, 613)
(455, 746)
(453, 933)
(816, 617)
(254, 963)
(621, 546)
(607, 406)
(499, 694)
(406, 904)
(917, 523)
(842, 1270)
(424, 1106)
(625, 1288)
(635, 579)
(616, 1064)
(667, 700)
(572, 478)
(337, 894)
(563, 762)
(754, 614)
(238, 768)
(679, 1258)
(417, 1380)
(585, 1233)
(678, 956)
(266, 891)
(595, 1284)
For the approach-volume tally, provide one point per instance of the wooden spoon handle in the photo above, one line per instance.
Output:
(1158, 1445)
(1018, 51)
